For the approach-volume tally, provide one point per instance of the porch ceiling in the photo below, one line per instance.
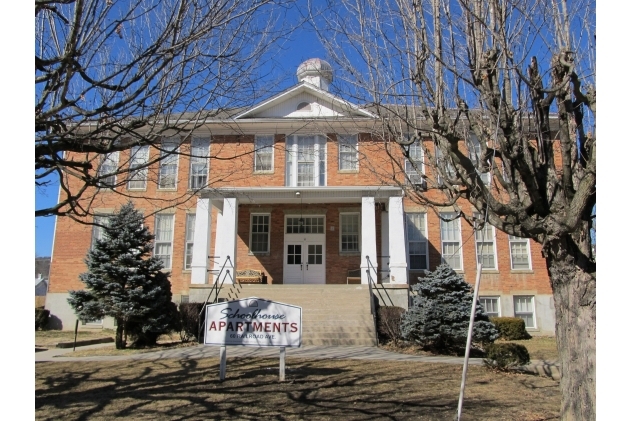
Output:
(308, 195)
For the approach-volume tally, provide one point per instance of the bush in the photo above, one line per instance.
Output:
(504, 356)
(189, 318)
(41, 318)
(511, 328)
(439, 316)
(389, 324)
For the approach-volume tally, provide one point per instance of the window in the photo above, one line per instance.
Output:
(199, 163)
(167, 176)
(444, 163)
(98, 232)
(94, 322)
(349, 232)
(525, 309)
(259, 233)
(348, 155)
(163, 248)
(475, 151)
(491, 306)
(485, 246)
(264, 153)
(107, 170)
(308, 225)
(451, 240)
(304, 106)
(306, 164)
(519, 252)
(414, 165)
(417, 240)
(188, 243)
(139, 158)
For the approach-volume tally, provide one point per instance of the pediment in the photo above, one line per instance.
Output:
(304, 101)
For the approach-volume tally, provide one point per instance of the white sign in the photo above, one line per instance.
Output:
(253, 322)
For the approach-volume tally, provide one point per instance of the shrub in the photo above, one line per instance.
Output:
(389, 324)
(511, 328)
(41, 318)
(504, 356)
(189, 317)
(439, 316)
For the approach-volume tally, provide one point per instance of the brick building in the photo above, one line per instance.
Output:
(304, 189)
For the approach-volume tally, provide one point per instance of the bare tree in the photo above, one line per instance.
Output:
(114, 76)
(515, 80)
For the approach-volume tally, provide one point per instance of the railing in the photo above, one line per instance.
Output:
(216, 288)
(373, 284)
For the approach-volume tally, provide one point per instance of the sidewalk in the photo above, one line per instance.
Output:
(544, 368)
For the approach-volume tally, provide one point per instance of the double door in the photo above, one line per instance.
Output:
(304, 261)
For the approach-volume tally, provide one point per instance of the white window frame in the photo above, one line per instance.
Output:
(475, 150)
(107, 170)
(481, 238)
(166, 240)
(168, 165)
(416, 233)
(139, 158)
(521, 313)
(513, 239)
(348, 152)
(496, 299)
(344, 215)
(440, 161)
(97, 231)
(455, 243)
(417, 157)
(199, 165)
(269, 234)
(293, 160)
(189, 237)
(263, 147)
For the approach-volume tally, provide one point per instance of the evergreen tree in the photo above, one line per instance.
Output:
(439, 316)
(124, 282)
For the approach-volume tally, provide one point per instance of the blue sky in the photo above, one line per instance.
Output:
(301, 46)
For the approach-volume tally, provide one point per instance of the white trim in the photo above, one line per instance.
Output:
(134, 163)
(407, 240)
(412, 176)
(510, 251)
(157, 241)
(449, 215)
(191, 161)
(484, 240)
(351, 140)
(112, 160)
(292, 155)
(258, 149)
(492, 297)
(188, 242)
(534, 310)
(166, 158)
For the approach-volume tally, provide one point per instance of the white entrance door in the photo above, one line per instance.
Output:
(304, 255)
(304, 262)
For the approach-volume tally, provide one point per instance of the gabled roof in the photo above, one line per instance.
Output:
(330, 105)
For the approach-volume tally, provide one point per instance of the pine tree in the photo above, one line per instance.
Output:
(439, 316)
(124, 282)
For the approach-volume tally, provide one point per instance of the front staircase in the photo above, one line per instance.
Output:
(331, 314)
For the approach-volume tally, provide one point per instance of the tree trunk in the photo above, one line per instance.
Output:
(121, 341)
(573, 277)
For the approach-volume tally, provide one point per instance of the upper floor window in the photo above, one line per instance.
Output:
(138, 167)
(306, 164)
(475, 153)
(98, 230)
(263, 153)
(414, 168)
(188, 245)
(451, 240)
(485, 246)
(163, 247)
(445, 164)
(167, 176)
(200, 148)
(349, 232)
(417, 240)
(108, 169)
(348, 155)
(519, 252)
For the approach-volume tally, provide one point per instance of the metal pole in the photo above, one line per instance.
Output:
(76, 328)
(469, 336)
(281, 371)
(222, 363)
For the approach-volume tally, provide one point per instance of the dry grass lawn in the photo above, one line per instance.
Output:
(314, 390)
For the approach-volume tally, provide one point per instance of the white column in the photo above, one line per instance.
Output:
(369, 240)
(396, 229)
(384, 262)
(226, 238)
(201, 242)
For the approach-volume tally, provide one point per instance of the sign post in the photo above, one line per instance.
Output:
(253, 322)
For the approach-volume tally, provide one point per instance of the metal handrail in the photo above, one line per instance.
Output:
(371, 281)
(216, 287)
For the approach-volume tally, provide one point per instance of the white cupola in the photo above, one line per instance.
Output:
(316, 72)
